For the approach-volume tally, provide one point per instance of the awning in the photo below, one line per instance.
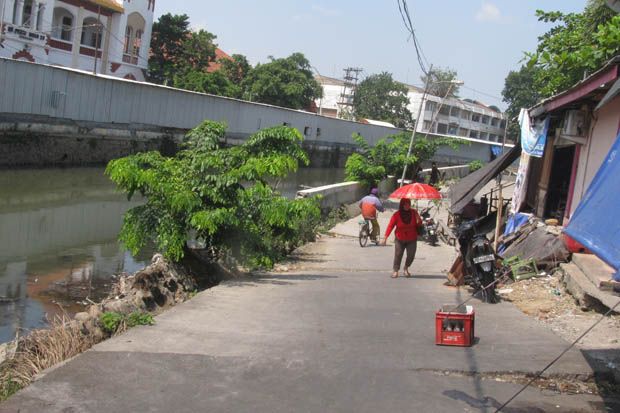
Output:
(612, 93)
(466, 189)
(113, 5)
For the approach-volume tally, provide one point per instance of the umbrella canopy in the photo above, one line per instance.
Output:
(416, 191)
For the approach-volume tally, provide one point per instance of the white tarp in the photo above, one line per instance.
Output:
(533, 134)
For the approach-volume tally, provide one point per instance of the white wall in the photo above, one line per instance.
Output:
(604, 133)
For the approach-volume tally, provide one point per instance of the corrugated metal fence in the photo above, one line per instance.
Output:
(35, 89)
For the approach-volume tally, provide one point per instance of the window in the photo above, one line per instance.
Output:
(465, 114)
(431, 106)
(463, 132)
(492, 137)
(453, 129)
(27, 15)
(445, 110)
(473, 134)
(90, 33)
(318, 132)
(128, 36)
(427, 126)
(286, 124)
(137, 43)
(307, 130)
(62, 25)
(442, 128)
(475, 117)
(486, 119)
(455, 111)
(502, 124)
(484, 136)
(494, 122)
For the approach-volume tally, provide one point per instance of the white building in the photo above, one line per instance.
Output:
(66, 33)
(450, 116)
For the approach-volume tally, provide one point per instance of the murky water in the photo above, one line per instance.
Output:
(58, 247)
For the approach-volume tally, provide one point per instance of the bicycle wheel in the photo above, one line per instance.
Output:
(363, 237)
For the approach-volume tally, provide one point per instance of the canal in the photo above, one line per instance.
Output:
(58, 247)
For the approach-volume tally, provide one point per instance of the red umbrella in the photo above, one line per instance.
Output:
(416, 191)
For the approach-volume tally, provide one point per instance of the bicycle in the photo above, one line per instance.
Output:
(365, 231)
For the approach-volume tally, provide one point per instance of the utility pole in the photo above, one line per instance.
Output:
(351, 77)
(97, 39)
(417, 121)
(2, 19)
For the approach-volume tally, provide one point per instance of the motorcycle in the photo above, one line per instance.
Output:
(479, 260)
(430, 228)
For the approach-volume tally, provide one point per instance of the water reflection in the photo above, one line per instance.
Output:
(58, 248)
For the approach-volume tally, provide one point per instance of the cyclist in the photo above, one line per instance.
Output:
(369, 205)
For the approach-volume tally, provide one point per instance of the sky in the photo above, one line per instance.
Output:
(481, 39)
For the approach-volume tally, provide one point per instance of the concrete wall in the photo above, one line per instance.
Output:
(345, 193)
(597, 148)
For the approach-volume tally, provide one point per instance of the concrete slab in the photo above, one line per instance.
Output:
(594, 268)
(584, 290)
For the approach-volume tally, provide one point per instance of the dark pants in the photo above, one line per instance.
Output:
(401, 246)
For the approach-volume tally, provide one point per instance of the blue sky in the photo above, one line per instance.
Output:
(481, 39)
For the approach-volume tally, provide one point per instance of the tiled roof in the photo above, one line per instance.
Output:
(113, 5)
(215, 65)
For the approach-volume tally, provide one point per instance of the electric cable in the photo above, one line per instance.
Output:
(611, 310)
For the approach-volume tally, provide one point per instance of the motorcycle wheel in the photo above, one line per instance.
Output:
(489, 295)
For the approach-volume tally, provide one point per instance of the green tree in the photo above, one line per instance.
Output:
(440, 82)
(236, 69)
(215, 83)
(219, 196)
(379, 97)
(286, 82)
(389, 156)
(519, 92)
(167, 42)
(578, 45)
(176, 50)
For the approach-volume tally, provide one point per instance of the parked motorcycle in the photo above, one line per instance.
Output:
(479, 260)
(430, 228)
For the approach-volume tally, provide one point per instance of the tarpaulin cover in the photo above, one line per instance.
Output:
(466, 189)
(590, 225)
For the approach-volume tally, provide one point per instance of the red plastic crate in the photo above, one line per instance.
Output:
(455, 327)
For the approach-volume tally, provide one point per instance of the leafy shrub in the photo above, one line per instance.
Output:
(114, 322)
(389, 156)
(475, 165)
(110, 321)
(220, 195)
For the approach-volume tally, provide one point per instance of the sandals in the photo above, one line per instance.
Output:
(395, 274)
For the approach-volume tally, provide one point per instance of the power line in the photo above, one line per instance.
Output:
(403, 8)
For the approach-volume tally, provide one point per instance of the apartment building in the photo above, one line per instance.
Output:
(109, 37)
(451, 116)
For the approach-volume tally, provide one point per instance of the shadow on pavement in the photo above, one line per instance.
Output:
(606, 366)
(274, 279)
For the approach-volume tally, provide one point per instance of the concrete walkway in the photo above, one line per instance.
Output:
(334, 334)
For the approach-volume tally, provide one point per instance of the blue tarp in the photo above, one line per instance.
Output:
(514, 222)
(596, 222)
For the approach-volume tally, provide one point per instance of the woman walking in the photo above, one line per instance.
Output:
(406, 221)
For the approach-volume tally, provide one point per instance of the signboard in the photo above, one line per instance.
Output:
(533, 134)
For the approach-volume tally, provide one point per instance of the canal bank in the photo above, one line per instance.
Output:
(58, 240)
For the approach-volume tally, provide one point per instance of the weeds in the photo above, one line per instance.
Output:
(40, 350)
(116, 323)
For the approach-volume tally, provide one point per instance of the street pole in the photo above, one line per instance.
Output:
(2, 20)
(417, 121)
(97, 39)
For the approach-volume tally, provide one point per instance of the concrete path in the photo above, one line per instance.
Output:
(334, 334)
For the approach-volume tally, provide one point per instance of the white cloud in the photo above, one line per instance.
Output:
(489, 12)
(325, 11)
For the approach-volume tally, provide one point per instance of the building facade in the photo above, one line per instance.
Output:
(448, 117)
(109, 37)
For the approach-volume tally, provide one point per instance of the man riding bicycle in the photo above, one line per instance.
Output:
(369, 205)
